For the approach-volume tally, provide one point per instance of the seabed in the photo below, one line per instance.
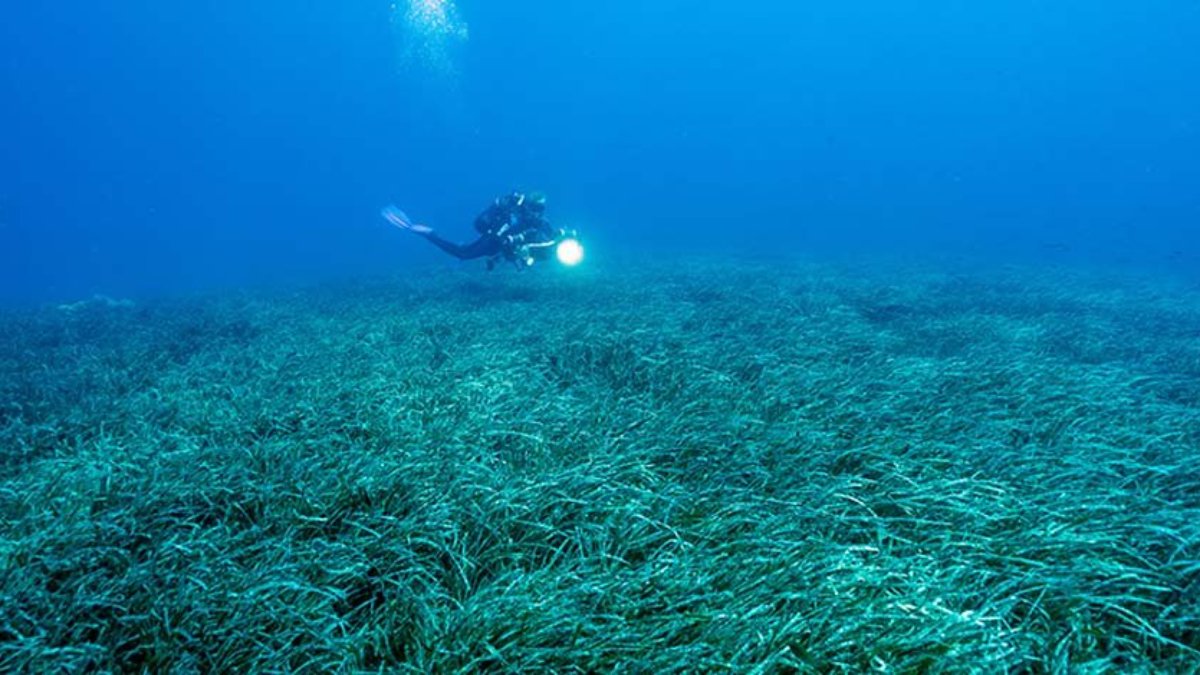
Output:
(686, 466)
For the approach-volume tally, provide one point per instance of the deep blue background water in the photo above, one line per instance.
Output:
(152, 147)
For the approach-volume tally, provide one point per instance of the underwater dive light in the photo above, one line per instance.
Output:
(569, 252)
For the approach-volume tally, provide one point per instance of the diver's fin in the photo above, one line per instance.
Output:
(396, 217)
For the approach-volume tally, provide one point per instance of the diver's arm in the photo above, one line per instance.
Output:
(541, 250)
(539, 245)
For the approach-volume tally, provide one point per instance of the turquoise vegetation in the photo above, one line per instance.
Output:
(717, 466)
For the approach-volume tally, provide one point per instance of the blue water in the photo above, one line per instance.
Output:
(159, 147)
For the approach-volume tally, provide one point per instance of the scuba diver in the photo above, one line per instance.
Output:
(513, 228)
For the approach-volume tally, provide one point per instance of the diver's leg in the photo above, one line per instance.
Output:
(483, 247)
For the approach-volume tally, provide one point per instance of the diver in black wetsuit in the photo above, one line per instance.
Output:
(513, 228)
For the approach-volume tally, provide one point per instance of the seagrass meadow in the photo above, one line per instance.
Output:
(690, 466)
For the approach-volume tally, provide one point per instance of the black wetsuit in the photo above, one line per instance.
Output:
(507, 226)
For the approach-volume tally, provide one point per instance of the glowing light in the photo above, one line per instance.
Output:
(569, 252)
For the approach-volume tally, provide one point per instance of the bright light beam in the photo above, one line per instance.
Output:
(569, 252)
